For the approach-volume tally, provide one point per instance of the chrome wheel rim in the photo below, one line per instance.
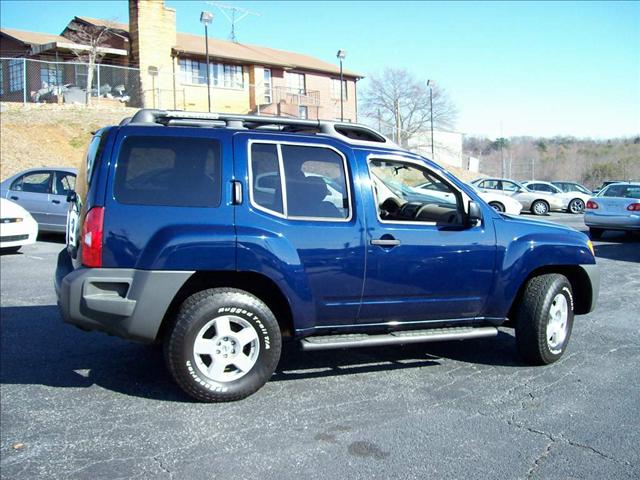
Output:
(577, 206)
(557, 323)
(226, 348)
(540, 208)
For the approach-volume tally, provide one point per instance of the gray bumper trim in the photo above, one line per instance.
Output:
(125, 302)
(593, 272)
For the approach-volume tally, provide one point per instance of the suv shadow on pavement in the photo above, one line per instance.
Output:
(137, 370)
(626, 248)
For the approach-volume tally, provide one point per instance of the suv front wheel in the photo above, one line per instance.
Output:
(224, 345)
(544, 319)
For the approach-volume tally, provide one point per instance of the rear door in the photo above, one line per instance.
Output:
(168, 204)
(300, 225)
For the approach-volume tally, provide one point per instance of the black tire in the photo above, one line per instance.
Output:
(497, 206)
(194, 314)
(576, 206)
(532, 319)
(540, 207)
(595, 233)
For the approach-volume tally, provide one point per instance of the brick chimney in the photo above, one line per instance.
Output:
(152, 35)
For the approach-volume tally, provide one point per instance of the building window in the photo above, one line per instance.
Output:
(50, 75)
(1, 78)
(81, 75)
(222, 75)
(296, 82)
(16, 66)
(303, 112)
(268, 92)
(335, 89)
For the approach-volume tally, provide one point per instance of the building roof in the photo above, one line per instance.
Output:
(32, 38)
(243, 52)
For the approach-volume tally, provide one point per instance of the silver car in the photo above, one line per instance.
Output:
(537, 203)
(43, 193)
(616, 207)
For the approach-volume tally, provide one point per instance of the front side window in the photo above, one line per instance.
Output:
(510, 187)
(408, 192)
(65, 183)
(490, 184)
(169, 171)
(36, 182)
(299, 181)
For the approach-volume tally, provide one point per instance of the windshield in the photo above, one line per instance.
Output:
(581, 188)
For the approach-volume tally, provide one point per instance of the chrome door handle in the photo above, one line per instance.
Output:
(13, 197)
(386, 242)
(55, 201)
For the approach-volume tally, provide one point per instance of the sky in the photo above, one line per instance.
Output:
(521, 68)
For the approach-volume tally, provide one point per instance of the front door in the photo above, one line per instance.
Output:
(423, 263)
(31, 191)
(298, 224)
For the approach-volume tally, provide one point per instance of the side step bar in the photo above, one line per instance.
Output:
(353, 340)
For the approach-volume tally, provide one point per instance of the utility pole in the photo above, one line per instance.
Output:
(430, 85)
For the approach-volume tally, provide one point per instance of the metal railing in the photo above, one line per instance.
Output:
(296, 96)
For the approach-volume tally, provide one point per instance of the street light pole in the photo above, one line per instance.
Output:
(341, 55)
(206, 18)
(430, 85)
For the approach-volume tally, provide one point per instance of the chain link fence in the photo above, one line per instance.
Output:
(37, 81)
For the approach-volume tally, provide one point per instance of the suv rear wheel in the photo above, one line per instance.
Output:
(224, 345)
(544, 319)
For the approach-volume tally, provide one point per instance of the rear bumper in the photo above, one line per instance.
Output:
(593, 272)
(612, 222)
(128, 303)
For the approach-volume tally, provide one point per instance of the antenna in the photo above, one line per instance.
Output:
(236, 16)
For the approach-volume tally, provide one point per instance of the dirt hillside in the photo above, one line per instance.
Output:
(52, 135)
(49, 135)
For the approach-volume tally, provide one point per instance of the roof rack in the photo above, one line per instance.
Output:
(350, 132)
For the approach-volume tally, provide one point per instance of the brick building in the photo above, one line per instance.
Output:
(244, 78)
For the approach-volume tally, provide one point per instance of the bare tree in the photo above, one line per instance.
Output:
(93, 39)
(397, 101)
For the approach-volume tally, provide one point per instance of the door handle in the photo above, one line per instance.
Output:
(386, 242)
(13, 197)
(55, 201)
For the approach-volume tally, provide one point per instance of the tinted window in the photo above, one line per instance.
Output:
(267, 187)
(171, 171)
(37, 182)
(624, 191)
(315, 182)
(490, 184)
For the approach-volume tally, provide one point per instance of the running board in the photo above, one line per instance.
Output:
(353, 340)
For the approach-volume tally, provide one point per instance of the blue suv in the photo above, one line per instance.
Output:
(221, 235)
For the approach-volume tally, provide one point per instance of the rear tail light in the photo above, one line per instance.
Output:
(92, 237)
(592, 205)
(634, 207)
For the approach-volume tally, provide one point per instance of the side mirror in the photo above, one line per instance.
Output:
(475, 214)
(71, 197)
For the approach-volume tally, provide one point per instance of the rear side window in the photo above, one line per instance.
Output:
(298, 181)
(169, 171)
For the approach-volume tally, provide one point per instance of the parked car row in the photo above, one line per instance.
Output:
(615, 207)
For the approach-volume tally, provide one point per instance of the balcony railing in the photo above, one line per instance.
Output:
(296, 96)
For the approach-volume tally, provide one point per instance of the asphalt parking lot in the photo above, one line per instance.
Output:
(79, 405)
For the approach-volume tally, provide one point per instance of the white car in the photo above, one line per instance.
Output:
(572, 202)
(538, 203)
(17, 226)
(616, 207)
(501, 203)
